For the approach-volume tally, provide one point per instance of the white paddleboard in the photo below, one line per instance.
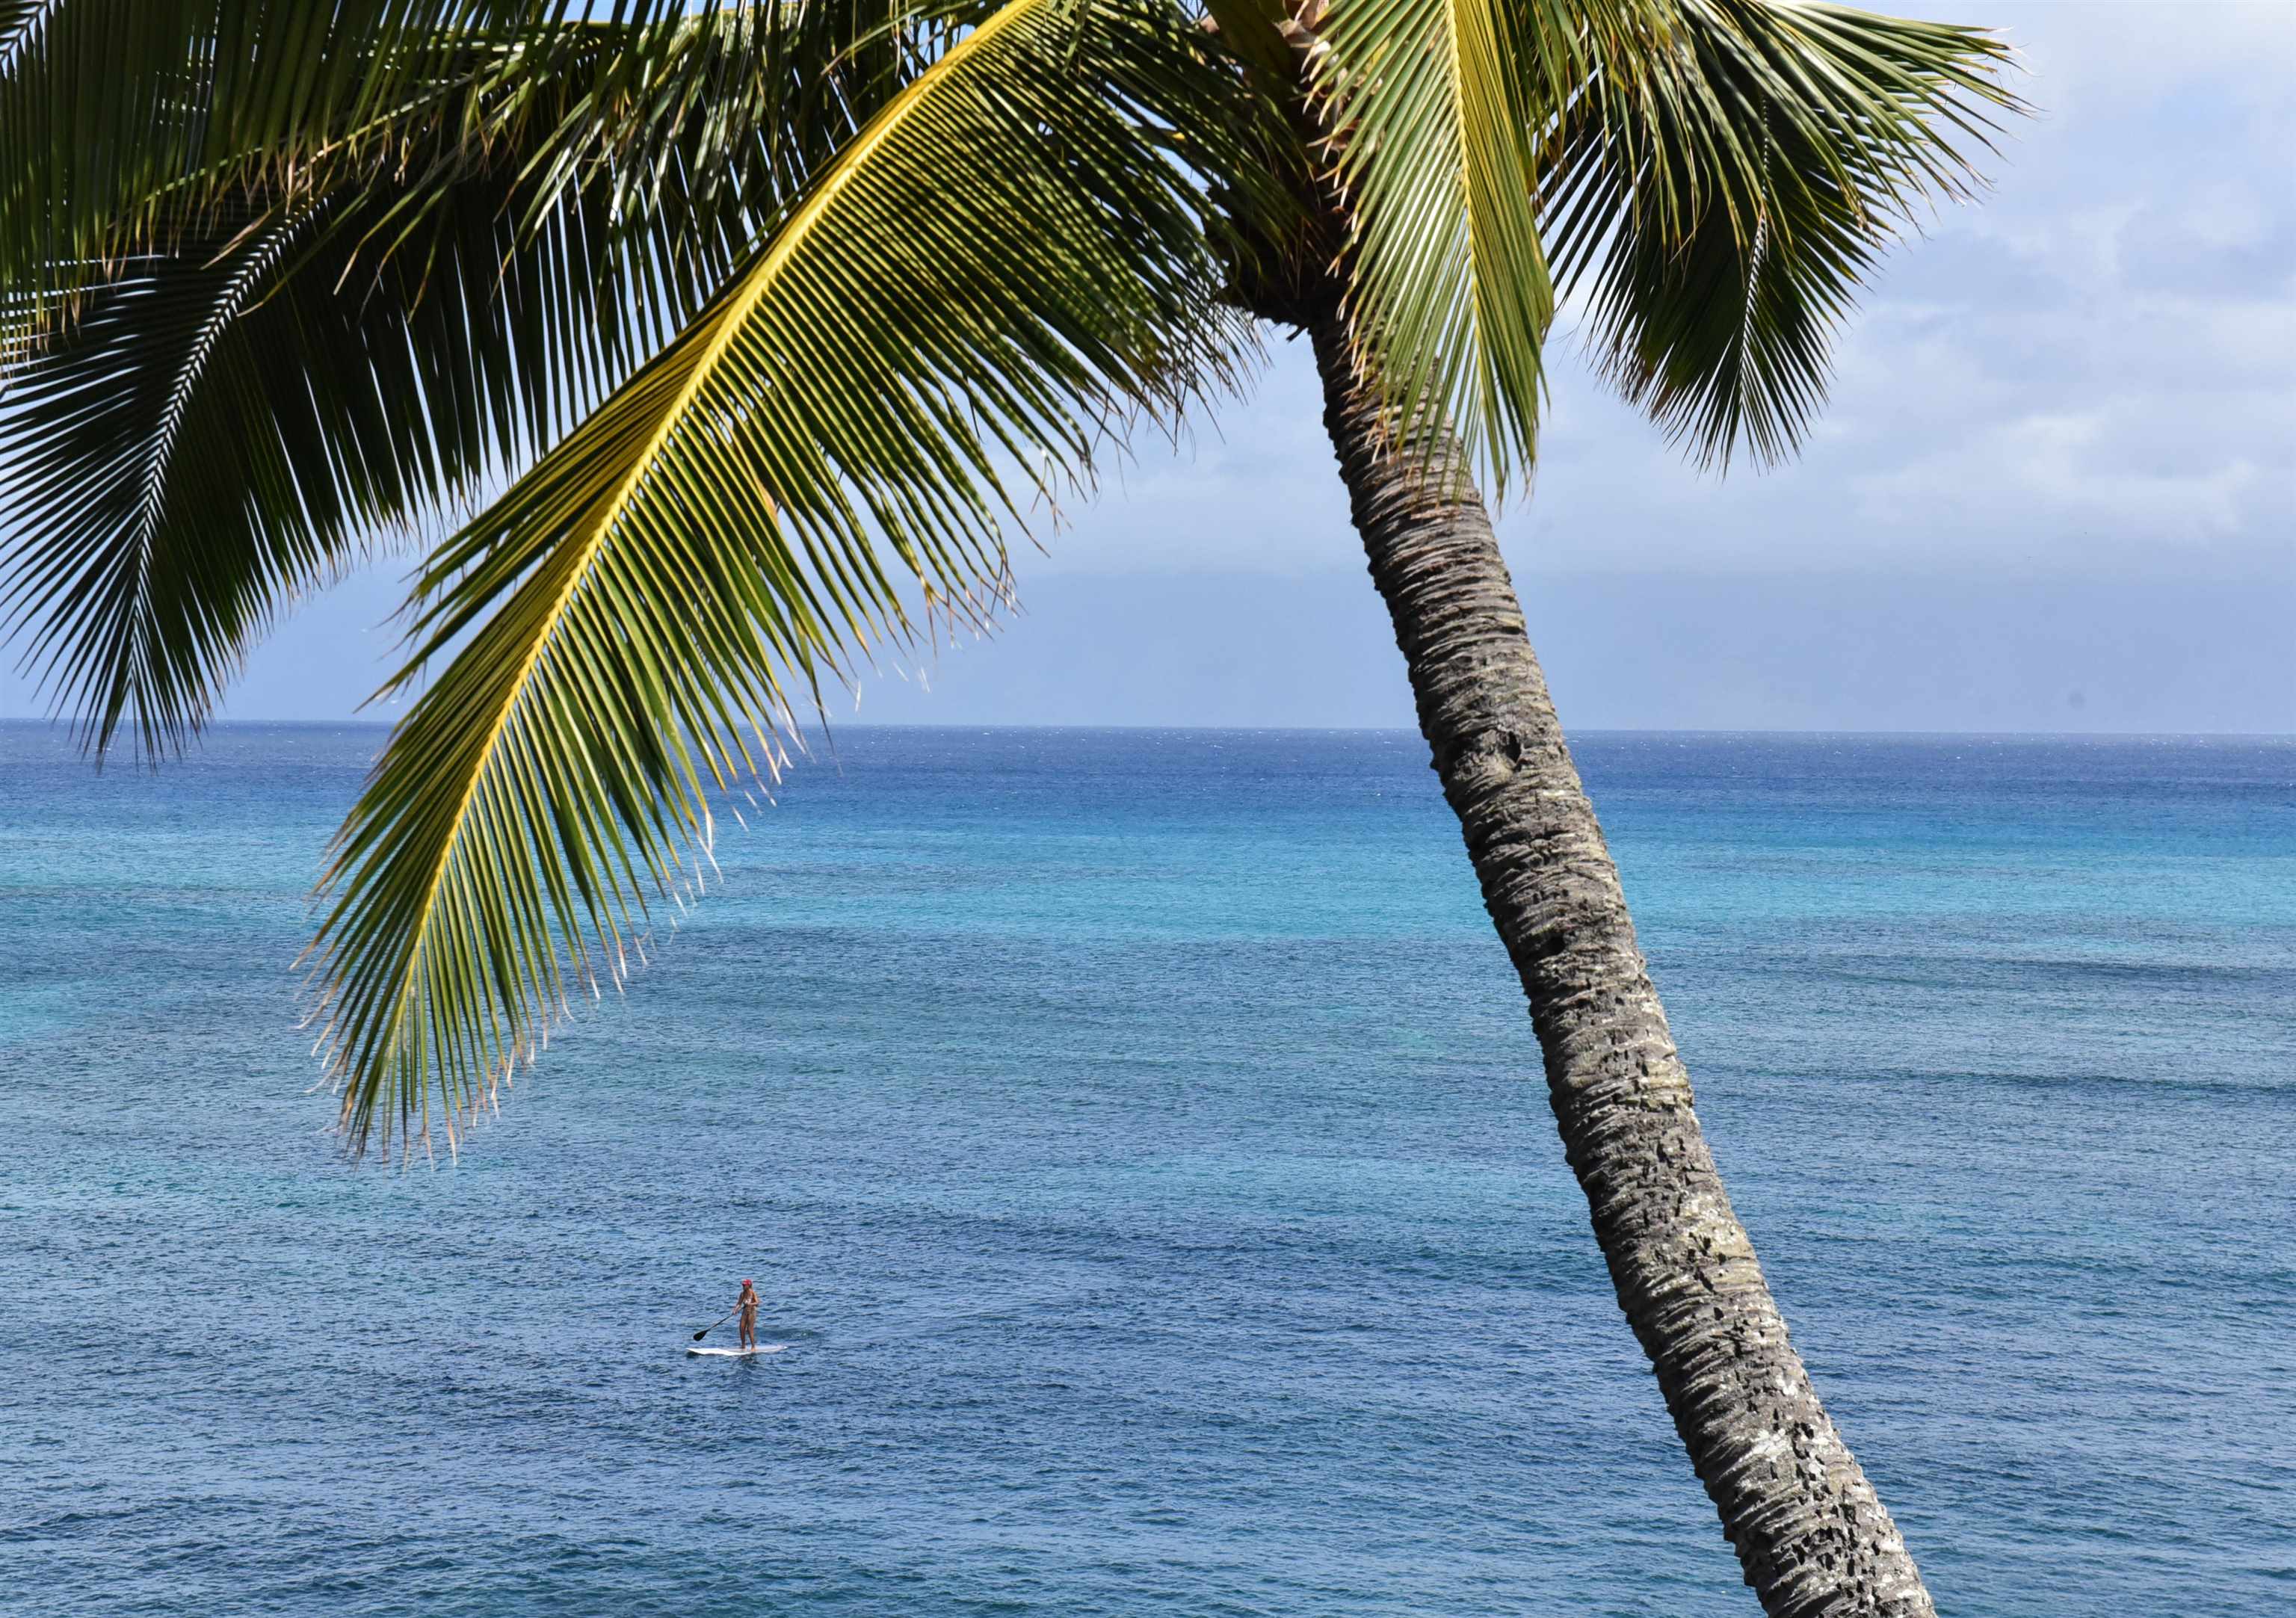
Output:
(741, 1353)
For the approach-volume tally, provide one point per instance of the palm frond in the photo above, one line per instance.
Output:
(1004, 259)
(1721, 186)
(106, 105)
(220, 428)
(158, 468)
(1430, 107)
(18, 19)
(223, 423)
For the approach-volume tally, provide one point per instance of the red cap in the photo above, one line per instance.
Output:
(747, 1282)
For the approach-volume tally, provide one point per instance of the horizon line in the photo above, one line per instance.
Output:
(32, 722)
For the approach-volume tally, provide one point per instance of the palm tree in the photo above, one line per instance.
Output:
(728, 347)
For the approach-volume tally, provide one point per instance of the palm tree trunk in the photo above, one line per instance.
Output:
(1809, 1531)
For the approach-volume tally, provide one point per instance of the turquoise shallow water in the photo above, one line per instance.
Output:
(1139, 1143)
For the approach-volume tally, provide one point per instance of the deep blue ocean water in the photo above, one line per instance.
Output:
(1140, 1147)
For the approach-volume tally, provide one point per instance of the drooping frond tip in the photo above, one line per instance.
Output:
(334, 334)
(946, 322)
(1719, 193)
(1712, 176)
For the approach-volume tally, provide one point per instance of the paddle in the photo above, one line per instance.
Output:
(714, 1325)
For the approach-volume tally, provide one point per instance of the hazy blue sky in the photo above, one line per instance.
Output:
(2055, 487)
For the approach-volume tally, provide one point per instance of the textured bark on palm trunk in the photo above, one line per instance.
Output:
(1809, 1531)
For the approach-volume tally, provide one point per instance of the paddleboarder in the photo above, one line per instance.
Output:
(747, 1308)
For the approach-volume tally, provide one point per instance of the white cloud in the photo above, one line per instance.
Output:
(2064, 465)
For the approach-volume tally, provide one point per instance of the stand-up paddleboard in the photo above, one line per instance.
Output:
(740, 1353)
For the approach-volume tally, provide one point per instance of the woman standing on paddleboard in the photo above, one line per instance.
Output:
(748, 1306)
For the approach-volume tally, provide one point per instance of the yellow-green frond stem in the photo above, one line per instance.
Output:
(999, 265)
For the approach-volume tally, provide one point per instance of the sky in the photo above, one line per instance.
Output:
(2054, 488)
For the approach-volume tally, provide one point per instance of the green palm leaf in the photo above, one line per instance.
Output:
(222, 425)
(167, 473)
(1005, 257)
(105, 105)
(1721, 188)
(219, 430)
(1431, 108)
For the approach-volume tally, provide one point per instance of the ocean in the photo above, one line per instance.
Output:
(1141, 1150)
